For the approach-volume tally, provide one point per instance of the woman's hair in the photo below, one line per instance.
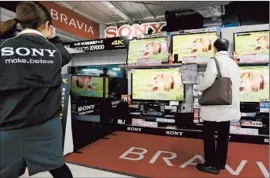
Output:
(29, 15)
(222, 44)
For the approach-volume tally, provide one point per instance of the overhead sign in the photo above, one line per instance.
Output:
(69, 21)
(135, 30)
(97, 45)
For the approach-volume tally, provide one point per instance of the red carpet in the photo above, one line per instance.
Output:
(168, 157)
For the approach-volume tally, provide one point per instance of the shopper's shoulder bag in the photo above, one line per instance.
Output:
(220, 93)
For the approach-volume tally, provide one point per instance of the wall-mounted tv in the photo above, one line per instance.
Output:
(148, 50)
(252, 46)
(157, 84)
(87, 86)
(254, 83)
(194, 47)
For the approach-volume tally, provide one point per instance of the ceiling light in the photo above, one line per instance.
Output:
(111, 6)
(212, 11)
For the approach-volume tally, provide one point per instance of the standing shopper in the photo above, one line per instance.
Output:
(216, 118)
(30, 95)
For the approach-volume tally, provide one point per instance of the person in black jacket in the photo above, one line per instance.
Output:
(30, 95)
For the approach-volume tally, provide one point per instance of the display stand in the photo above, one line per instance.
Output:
(94, 118)
(183, 123)
(186, 122)
(93, 56)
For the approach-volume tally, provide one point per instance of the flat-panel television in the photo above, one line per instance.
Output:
(157, 84)
(197, 47)
(254, 84)
(252, 47)
(150, 50)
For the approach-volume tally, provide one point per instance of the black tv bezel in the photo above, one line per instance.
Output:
(235, 33)
(157, 101)
(254, 65)
(196, 33)
(103, 88)
(166, 38)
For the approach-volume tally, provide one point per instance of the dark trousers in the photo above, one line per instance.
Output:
(215, 152)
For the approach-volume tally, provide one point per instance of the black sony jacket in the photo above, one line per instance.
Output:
(30, 79)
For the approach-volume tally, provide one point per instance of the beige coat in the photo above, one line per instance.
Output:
(228, 68)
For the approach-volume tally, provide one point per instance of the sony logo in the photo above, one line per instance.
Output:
(136, 30)
(22, 51)
(174, 133)
(116, 102)
(86, 108)
(134, 129)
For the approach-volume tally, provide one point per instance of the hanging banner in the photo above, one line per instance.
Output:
(135, 30)
(97, 45)
(65, 100)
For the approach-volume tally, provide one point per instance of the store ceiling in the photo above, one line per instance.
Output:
(111, 13)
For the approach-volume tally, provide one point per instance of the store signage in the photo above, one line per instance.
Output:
(70, 21)
(115, 103)
(266, 140)
(134, 129)
(86, 109)
(251, 123)
(98, 45)
(243, 131)
(174, 133)
(189, 73)
(135, 30)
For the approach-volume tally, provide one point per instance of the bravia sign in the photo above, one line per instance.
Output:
(170, 159)
(135, 30)
(69, 21)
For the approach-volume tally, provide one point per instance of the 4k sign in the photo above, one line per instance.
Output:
(118, 43)
(136, 30)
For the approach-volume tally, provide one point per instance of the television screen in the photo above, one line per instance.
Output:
(117, 87)
(252, 46)
(87, 86)
(254, 84)
(152, 50)
(98, 70)
(194, 47)
(157, 84)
